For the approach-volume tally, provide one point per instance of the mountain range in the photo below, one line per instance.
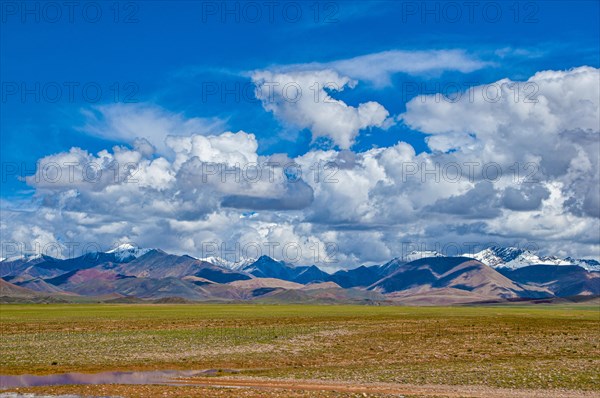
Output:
(130, 274)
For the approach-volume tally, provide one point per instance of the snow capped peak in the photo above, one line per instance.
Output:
(123, 247)
(514, 258)
(234, 265)
(127, 251)
(24, 257)
(588, 264)
(497, 256)
(417, 255)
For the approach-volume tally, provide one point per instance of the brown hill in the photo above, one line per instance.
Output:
(458, 273)
(9, 290)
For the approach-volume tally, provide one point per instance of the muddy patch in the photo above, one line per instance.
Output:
(150, 377)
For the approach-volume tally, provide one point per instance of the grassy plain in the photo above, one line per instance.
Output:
(525, 348)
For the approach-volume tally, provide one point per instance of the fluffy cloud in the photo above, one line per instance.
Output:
(480, 202)
(302, 99)
(228, 148)
(525, 198)
(363, 207)
(128, 122)
(378, 68)
(549, 102)
(542, 130)
(301, 95)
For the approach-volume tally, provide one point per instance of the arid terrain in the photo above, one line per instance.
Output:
(129, 274)
(303, 350)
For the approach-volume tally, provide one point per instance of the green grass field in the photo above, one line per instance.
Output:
(523, 347)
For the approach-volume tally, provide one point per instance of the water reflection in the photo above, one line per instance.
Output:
(151, 377)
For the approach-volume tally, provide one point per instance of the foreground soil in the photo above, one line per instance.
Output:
(254, 388)
(545, 351)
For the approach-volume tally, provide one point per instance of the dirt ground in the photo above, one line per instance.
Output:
(255, 387)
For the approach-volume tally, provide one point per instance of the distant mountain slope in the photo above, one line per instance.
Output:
(435, 296)
(160, 288)
(40, 285)
(9, 290)
(147, 288)
(266, 267)
(390, 267)
(33, 272)
(562, 281)
(16, 266)
(127, 252)
(157, 264)
(358, 277)
(32, 267)
(321, 285)
(587, 264)
(513, 258)
(322, 295)
(257, 283)
(77, 277)
(84, 262)
(10, 293)
(310, 274)
(223, 262)
(131, 273)
(454, 272)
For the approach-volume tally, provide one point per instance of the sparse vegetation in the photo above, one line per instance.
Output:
(522, 347)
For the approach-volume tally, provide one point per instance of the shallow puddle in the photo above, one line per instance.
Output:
(151, 377)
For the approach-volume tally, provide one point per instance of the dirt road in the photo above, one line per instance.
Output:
(385, 388)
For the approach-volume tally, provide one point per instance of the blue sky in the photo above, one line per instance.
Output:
(171, 55)
(163, 57)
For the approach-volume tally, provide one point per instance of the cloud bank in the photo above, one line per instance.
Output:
(506, 171)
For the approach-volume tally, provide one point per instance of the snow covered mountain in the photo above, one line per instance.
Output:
(22, 258)
(496, 274)
(122, 253)
(514, 258)
(127, 252)
(417, 255)
(233, 265)
(587, 264)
